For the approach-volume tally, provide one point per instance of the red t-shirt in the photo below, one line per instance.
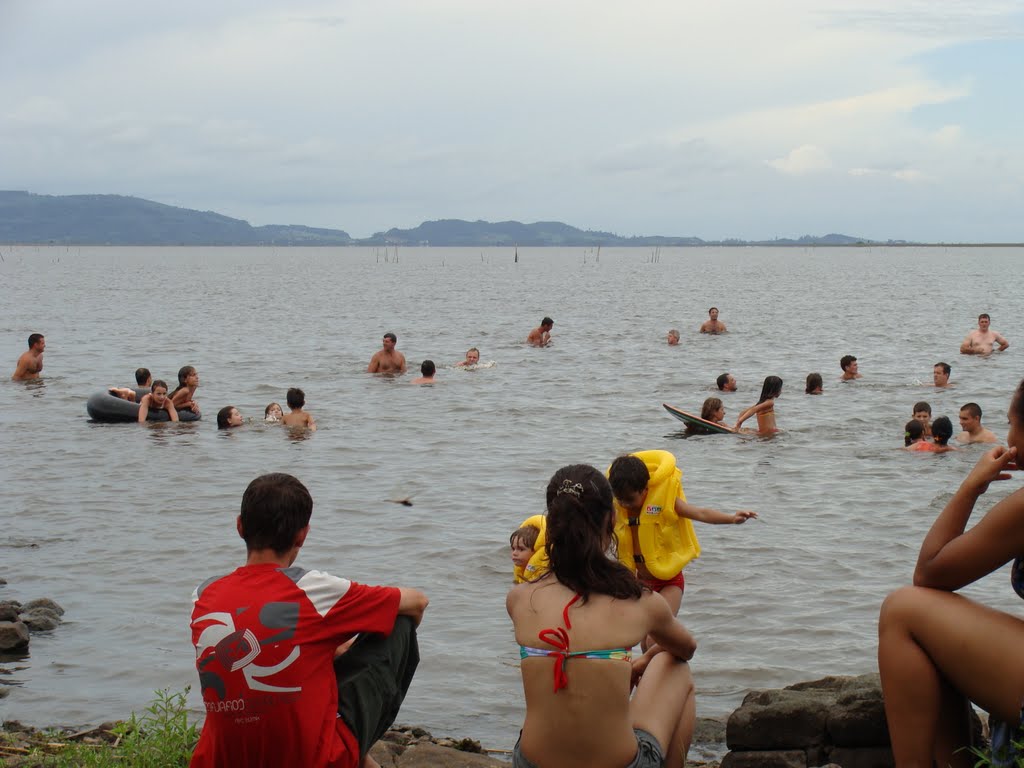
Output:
(265, 638)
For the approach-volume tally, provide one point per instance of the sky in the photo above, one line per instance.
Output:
(883, 119)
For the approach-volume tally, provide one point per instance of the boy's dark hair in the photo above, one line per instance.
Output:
(721, 381)
(528, 535)
(813, 382)
(845, 360)
(973, 410)
(547, 321)
(628, 475)
(158, 383)
(142, 376)
(922, 406)
(984, 315)
(580, 526)
(428, 368)
(275, 508)
(390, 335)
(942, 430)
(34, 338)
(223, 415)
(296, 398)
(912, 430)
(945, 368)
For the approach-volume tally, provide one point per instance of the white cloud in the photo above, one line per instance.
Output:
(805, 159)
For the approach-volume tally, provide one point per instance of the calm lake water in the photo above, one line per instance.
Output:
(118, 523)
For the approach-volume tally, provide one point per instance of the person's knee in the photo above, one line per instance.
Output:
(897, 605)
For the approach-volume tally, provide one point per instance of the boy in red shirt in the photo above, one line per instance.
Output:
(277, 688)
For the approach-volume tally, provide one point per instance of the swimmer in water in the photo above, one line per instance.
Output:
(298, 417)
(713, 410)
(541, 335)
(273, 413)
(923, 412)
(30, 364)
(184, 394)
(427, 369)
(387, 359)
(814, 384)
(472, 358)
(156, 400)
(228, 417)
(913, 433)
(673, 338)
(849, 365)
(765, 407)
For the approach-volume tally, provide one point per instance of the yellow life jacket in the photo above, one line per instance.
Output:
(538, 564)
(667, 541)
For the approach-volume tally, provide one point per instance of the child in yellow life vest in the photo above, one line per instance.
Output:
(529, 560)
(653, 521)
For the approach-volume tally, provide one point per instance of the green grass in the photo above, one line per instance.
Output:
(162, 737)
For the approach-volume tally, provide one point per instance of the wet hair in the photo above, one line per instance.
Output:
(223, 415)
(296, 398)
(547, 321)
(183, 373)
(275, 508)
(266, 411)
(942, 430)
(813, 382)
(158, 383)
(711, 405)
(674, 333)
(922, 406)
(473, 349)
(973, 410)
(912, 430)
(428, 368)
(721, 381)
(946, 369)
(845, 360)
(390, 335)
(771, 388)
(580, 527)
(984, 315)
(142, 376)
(713, 309)
(34, 339)
(628, 475)
(527, 536)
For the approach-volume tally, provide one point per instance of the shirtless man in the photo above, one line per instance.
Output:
(713, 324)
(726, 383)
(673, 338)
(940, 374)
(388, 359)
(541, 335)
(981, 341)
(849, 365)
(30, 363)
(970, 423)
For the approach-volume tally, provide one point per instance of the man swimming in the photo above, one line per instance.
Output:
(849, 365)
(940, 374)
(388, 359)
(970, 423)
(982, 340)
(713, 324)
(541, 335)
(726, 383)
(31, 362)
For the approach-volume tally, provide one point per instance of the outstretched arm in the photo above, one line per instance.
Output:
(713, 516)
(754, 409)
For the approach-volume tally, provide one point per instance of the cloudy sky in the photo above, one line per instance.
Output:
(884, 119)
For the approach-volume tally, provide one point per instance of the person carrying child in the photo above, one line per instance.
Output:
(653, 521)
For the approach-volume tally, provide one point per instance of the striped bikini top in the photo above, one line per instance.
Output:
(559, 638)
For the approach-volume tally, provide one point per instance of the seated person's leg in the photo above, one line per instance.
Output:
(373, 678)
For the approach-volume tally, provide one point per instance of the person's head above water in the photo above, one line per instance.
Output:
(771, 388)
(580, 528)
(472, 356)
(912, 430)
(228, 417)
(296, 398)
(143, 377)
(673, 337)
(428, 368)
(712, 410)
(273, 412)
(942, 430)
(726, 383)
(814, 384)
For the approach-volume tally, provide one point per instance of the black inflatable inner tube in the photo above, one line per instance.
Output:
(104, 406)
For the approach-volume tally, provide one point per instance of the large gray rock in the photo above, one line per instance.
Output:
(13, 636)
(42, 602)
(9, 610)
(40, 619)
(427, 755)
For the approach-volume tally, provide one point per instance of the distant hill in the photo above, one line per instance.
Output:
(120, 220)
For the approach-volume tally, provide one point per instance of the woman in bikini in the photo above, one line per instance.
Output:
(576, 627)
(937, 649)
(765, 407)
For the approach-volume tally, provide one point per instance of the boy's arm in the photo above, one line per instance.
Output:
(712, 516)
(412, 603)
(310, 423)
(143, 409)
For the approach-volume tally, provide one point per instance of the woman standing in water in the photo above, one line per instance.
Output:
(576, 627)
(765, 407)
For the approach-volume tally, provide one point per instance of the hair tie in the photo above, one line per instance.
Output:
(570, 487)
